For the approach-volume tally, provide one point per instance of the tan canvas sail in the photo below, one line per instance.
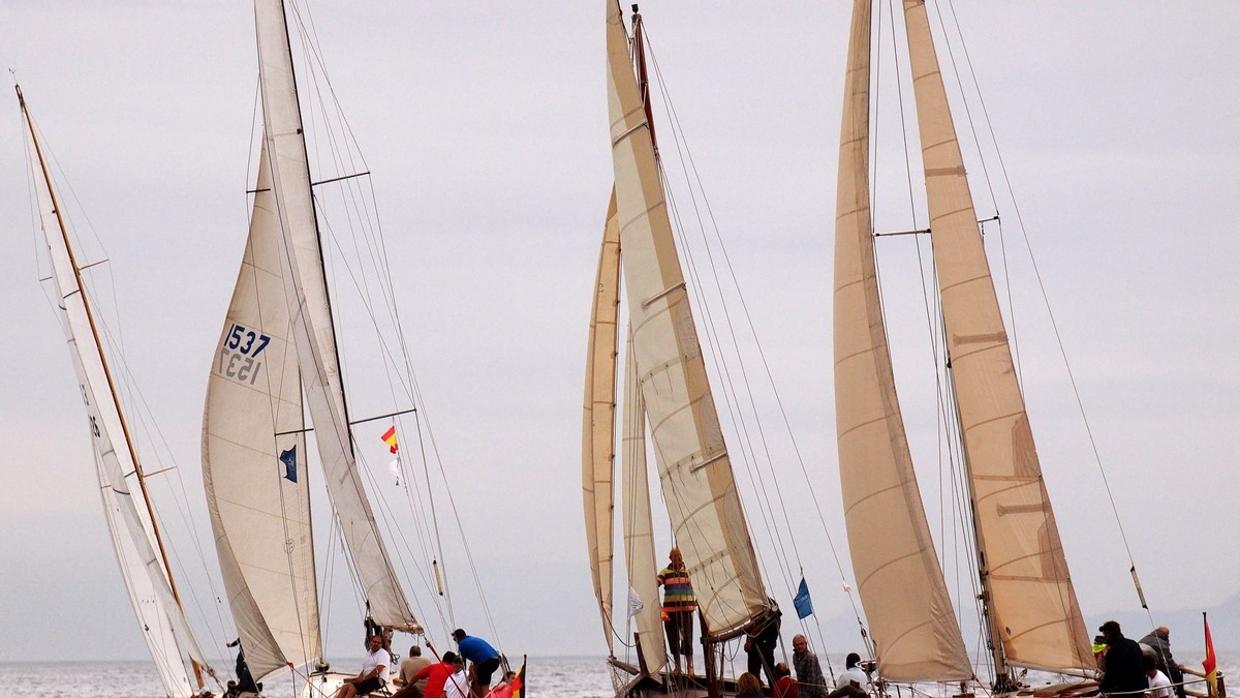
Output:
(1033, 604)
(598, 430)
(910, 615)
(639, 554)
(695, 472)
(259, 504)
(310, 314)
(164, 627)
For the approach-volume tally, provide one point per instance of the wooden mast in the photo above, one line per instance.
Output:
(103, 360)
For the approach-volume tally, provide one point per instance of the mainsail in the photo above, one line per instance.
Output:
(1033, 607)
(309, 309)
(638, 528)
(599, 423)
(708, 523)
(259, 504)
(165, 629)
(909, 612)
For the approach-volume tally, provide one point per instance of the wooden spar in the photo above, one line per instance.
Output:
(643, 79)
(107, 371)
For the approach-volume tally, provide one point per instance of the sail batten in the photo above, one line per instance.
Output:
(703, 504)
(599, 423)
(312, 325)
(901, 585)
(1033, 606)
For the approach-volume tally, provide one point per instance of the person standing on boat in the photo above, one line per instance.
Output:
(1160, 641)
(482, 655)
(374, 673)
(853, 674)
(679, 603)
(810, 681)
(1125, 672)
(760, 645)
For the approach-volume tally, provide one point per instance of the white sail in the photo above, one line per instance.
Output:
(259, 505)
(598, 435)
(165, 629)
(708, 522)
(1032, 602)
(910, 616)
(310, 314)
(639, 555)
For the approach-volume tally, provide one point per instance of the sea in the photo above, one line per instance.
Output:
(548, 677)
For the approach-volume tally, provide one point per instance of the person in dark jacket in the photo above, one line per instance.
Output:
(760, 646)
(1160, 641)
(1125, 672)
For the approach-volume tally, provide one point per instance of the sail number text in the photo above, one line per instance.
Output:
(239, 354)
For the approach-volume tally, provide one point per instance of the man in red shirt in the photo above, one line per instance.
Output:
(437, 675)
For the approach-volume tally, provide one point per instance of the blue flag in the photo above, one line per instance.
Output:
(289, 459)
(802, 602)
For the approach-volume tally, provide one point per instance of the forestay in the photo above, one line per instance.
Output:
(259, 504)
(1034, 606)
(639, 553)
(165, 630)
(909, 612)
(598, 430)
(311, 318)
(708, 523)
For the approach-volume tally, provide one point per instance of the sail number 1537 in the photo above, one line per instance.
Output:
(239, 354)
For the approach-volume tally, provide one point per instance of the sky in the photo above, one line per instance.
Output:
(484, 128)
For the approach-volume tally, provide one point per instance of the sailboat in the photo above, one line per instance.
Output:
(1029, 611)
(666, 391)
(278, 346)
(133, 526)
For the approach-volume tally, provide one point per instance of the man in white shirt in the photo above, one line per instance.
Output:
(853, 673)
(457, 685)
(374, 672)
(1160, 685)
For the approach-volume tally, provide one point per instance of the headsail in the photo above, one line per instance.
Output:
(898, 576)
(598, 436)
(310, 314)
(165, 629)
(639, 554)
(259, 504)
(1033, 605)
(708, 522)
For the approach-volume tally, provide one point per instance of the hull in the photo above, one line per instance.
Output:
(631, 682)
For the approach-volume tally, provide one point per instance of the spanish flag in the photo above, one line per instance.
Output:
(1210, 663)
(389, 438)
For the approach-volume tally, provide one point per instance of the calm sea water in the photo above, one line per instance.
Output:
(550, 677)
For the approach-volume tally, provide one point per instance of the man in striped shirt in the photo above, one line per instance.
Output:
(679, 603)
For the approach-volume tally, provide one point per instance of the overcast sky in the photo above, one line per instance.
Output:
(484, 125)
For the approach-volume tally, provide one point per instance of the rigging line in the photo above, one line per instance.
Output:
(762, 354)
(435, 520)
(1045, 297)
(678, 133)
(735, 406)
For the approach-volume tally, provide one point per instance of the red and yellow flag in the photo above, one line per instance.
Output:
(1210, 663)
(389, 438)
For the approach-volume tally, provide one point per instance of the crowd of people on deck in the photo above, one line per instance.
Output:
(466, 673)
(1144, 669)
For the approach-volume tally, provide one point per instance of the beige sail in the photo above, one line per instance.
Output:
(907, 607)
(639, 555)
(311, 320)
(708, 523)
(598, 430)
(253, 414)
(1033, 605)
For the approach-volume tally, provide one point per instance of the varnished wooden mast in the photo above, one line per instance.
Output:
(103, 359)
